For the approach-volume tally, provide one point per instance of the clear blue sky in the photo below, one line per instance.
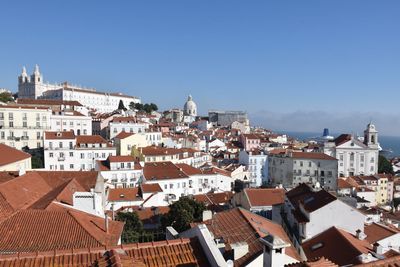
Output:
(340, 59)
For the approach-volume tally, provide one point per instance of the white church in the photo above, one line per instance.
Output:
(33, 87)
(355, 156)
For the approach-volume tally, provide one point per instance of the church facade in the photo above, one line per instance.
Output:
(33, 87)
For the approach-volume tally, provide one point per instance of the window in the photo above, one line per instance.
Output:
(24, 124)
(51, 155)
(71, 154)
(322, 173)
(165, 186)
(362, 157)
(3, 136)
(11, 124)
(71, 166)
(351, 156)
(83, 166)
(10, 116)
(38, 135)
(301, 163)
(82, 156)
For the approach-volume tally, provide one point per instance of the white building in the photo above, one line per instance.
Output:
(307, 213)
(120, 171)
(355, 157)
(257, 164)
(178, 180)
(23, 126)
(291, 168)
(71, 121)
(65, 151)
(34, 87)
(126, 124)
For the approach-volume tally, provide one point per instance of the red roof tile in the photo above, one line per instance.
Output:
(150, 188)
(40, 230)
(265, 196)
(336, 245)
(59, 135)
(124, 194)
(376, 232)
(123, 135)
(9, 155)
(162, 170)
(90, 139)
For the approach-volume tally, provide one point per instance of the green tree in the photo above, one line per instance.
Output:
(121, 105)
(384, 166)
(6, 97)
(133, 228)
(153, 107)
(132, 105)
(182, 213)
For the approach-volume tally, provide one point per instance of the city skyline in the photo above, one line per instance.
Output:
(308, 58)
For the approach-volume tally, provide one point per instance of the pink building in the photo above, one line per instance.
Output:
(250, 141)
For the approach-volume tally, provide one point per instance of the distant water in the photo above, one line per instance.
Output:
(386, 142)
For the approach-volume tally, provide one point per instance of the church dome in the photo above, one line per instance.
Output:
(190, 107)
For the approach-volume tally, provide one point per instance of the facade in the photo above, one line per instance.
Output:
(381, 184)
(355, 157)
(65, 151)
(126, 124)
(120, 171)
(250, 141)
(71, 121)
(290, 168)
(226, 118)
(34, 87)
(307, 213)
(257, 165)
(23, 126)
(178, 180)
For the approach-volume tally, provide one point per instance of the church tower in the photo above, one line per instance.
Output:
(371, 136)
(36, 77)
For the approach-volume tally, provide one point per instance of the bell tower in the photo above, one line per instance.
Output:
(371, 136)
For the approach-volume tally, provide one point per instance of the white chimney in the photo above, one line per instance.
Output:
(21, 171)
(240, 249)
(207, 215)
(360, 235)
(378, 249)
(274, 251)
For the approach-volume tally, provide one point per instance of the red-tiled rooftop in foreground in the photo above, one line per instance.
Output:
(171, 253)
(124, 194)
(9, 155)
(376, 232)
(318, 262)
(238, 225)
(57, 228)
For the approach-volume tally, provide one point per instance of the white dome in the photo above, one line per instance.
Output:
(190, 107)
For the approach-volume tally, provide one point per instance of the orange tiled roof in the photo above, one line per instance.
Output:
(238, 225)
(265, 196)
(150, 188)
(60, 228)
(9, 155)
(121, 159)
(124, 194)
(318, 262)
(90, 139)
(47, 102)
(59, 135)
(179, 252)
(336, 245)
(376, 232)
(162, 170)
(123, 135)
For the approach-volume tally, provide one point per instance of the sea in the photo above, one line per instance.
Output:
(391, 143)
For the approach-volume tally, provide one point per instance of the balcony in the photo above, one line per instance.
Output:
(61, 158)
(24, 137)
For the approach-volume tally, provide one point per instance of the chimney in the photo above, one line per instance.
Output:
(274, 251)
(207, 215)
(106, 222)
(378, 249)
(360, 235)
(240, 249)
(21, 171)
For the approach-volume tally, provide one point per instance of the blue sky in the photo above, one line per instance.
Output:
(293, 65)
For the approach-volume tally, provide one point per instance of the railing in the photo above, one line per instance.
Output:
(61, 158)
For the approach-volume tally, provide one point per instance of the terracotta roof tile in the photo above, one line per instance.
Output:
(124, 194)
(47, 102)
(376, 232)
(312, 155)
(336, 245)
(318, 262)
(162, 170)
(265, 196)
(150, 188)
(238, 225)
(40, 230)
(59, 135)
(9, 155)
(90, 139)
(121, 159)
(123, 135)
